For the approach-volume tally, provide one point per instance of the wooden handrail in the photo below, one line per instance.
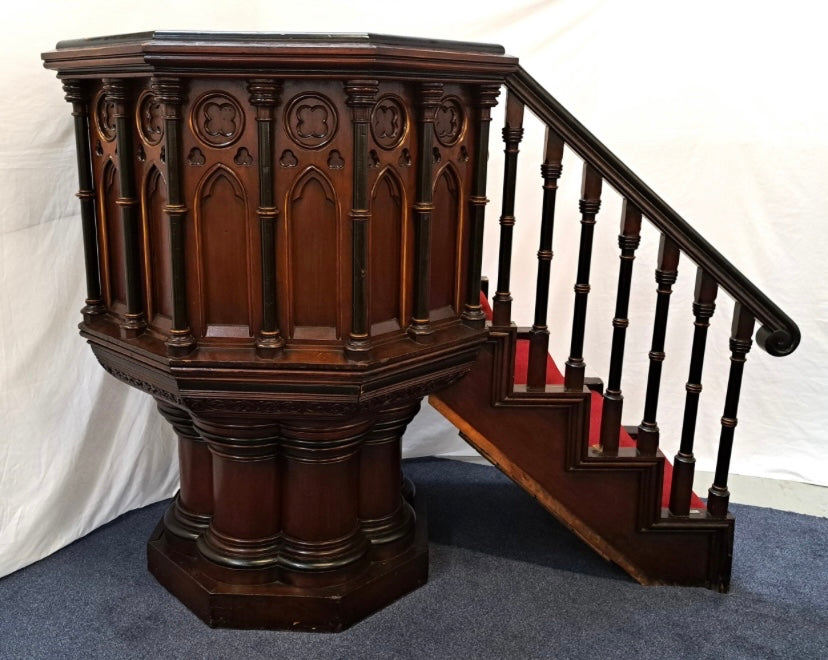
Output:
(779, 335)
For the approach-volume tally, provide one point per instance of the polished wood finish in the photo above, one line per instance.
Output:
(589, 205)
(647, 434)
(704, 306)
(265, 97)
(740, 342)
(168, 92)
(283, 242)
(473, 314)
(285, 265)
(539, 439)
(77, 95)
(512, 135)
(613, 402)
(779, 335)
(551, 170)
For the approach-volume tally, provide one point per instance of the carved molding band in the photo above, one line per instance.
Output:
(142, 385)
(217, 119)
(310, 120)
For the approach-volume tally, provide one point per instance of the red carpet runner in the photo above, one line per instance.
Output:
(555, 377)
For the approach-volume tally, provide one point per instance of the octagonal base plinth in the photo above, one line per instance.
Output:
(178, 566)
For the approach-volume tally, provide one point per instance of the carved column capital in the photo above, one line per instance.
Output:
(116, 93)
(487, 95)
(265, 95)
(74, 92)
(264, 91)
(429, 95)
(168, 91)
(361, 96)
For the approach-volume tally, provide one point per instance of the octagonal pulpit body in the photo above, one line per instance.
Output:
(283, 237)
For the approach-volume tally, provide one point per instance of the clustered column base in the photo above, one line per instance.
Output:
(291, 522)
(231, 603)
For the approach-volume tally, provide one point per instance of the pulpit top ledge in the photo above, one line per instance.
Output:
(282, 54)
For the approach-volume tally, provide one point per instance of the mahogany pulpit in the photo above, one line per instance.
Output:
(283, 239)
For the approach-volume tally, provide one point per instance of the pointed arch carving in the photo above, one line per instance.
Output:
(157, 257)
(113, 238)
(223, 237)
(446, 225)
(313, 257)
(388, 261)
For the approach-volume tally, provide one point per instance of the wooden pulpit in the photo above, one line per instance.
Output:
(283, 240)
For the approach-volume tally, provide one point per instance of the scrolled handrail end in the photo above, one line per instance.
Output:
(778, 342)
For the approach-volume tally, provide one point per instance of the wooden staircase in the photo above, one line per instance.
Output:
(540, 440)
(536, 428)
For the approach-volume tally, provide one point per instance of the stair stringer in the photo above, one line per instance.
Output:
(540, 440)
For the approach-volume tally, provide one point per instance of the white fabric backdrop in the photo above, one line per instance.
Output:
(720, 107)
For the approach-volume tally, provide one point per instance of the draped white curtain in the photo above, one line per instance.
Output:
(719, 106)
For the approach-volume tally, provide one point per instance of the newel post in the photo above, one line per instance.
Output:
(473, 314)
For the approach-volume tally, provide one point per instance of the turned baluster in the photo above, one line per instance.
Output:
(665, 276)
(589, 205)
(473, 314)
(613, 404)
(429, 94)
(539, 339)
(170, 94)
(264, 96)
(740, 343)
(512, 135)
(134, 321)
(684, 462)
(361, 98)
(77, 96)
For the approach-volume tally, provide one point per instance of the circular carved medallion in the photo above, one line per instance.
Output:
(310, 120)
(149, 118)
(389, 122)
(217, 119)
(105, 117)
(449, 123)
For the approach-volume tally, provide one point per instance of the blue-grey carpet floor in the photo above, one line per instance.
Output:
(506, 581)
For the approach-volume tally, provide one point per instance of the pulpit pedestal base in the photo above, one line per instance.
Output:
(179, 567)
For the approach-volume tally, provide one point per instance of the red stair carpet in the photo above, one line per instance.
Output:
(555, 377)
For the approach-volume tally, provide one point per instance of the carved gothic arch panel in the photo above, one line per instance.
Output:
(446, 230)
(389, 239)
(157, 256)
(312, 246)
(223, 237)
(114, 250)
